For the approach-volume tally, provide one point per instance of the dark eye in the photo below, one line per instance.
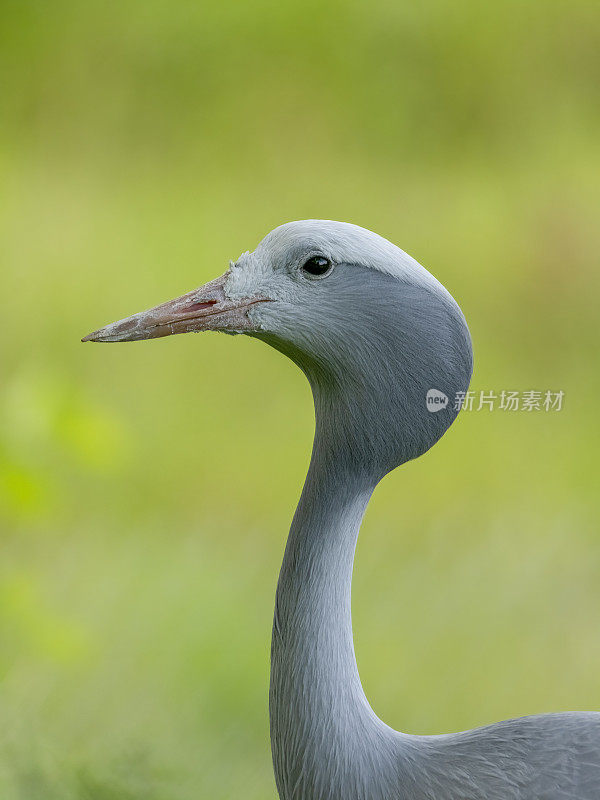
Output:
(317, 267)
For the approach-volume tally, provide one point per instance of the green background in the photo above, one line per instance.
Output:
(146, 489)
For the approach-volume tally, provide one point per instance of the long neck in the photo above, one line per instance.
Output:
(321, 722)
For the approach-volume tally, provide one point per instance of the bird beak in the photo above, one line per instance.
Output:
(203, 309)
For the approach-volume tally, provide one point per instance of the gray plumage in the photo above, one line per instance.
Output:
(372, 338)
(373, 335)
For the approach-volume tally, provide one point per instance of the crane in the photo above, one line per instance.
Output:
(375, 334)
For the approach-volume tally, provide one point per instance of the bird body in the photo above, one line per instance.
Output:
(327, 742)
(373, 332)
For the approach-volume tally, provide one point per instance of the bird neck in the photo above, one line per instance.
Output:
(318, 708)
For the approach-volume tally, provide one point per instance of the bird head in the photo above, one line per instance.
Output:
(381, 341)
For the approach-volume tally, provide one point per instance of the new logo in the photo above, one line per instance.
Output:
(435, 400)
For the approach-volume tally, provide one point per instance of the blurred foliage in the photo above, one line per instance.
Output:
(146, 490)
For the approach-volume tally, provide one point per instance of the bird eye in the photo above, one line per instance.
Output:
(317, 267)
